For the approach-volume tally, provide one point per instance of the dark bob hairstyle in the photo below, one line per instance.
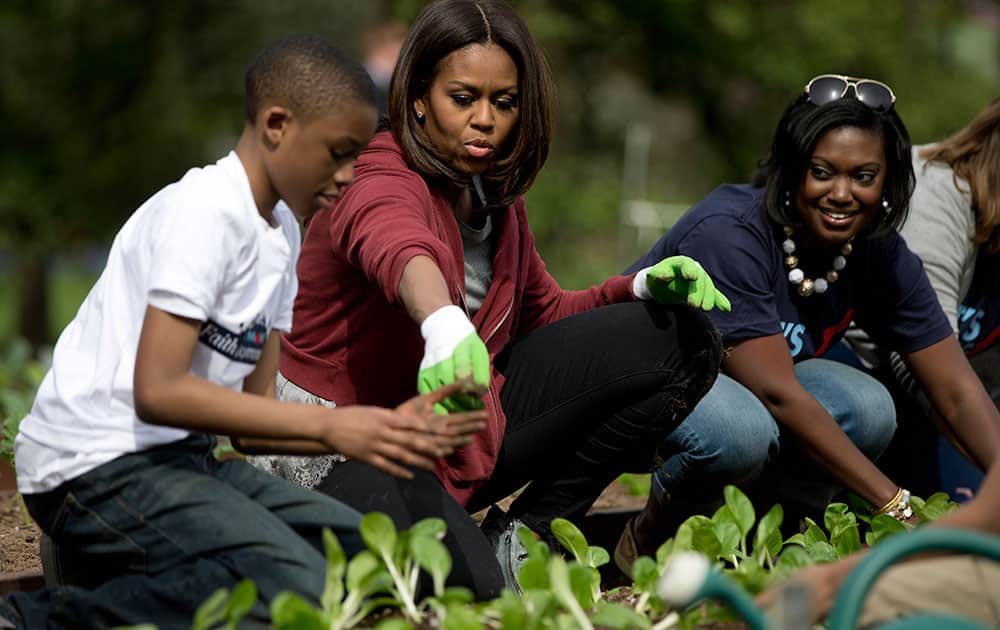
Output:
(799, 131)
(443, 27)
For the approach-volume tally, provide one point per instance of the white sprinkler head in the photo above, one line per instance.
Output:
(684, 577)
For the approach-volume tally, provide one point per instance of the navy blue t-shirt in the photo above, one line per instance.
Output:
(979, 312)
(883, 287)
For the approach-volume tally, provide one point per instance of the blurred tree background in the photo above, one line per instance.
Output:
(105, 101)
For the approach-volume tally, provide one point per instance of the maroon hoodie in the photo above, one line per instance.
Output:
(352, 339)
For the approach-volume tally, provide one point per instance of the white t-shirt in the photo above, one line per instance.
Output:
(199, 249)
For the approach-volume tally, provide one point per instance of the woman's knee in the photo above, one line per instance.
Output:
(727, 438)
(861, 405)
(687, 354)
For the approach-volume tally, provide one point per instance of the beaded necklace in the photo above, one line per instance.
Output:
(808, 286)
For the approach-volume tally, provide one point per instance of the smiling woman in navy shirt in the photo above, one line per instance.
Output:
(806, 249)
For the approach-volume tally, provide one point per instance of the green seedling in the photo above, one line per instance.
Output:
(569, 586)
(610, 615)
(882, 526)
(646, 576)
(363, 577)
(226, 607)
(791, 558)
(592, 557)
(359, 579)
(290, 611)
(379, 533)
(637, 485)
(843, 527)
(462, 617)
(431, 555)
(20, 376)
(767, 539)
(934, 507)
(558, 594)
(742, 512)
(534, 573)
(727, 531)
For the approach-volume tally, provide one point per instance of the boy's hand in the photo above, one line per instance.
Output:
(411, 435)
(453, 351)
(677, 280)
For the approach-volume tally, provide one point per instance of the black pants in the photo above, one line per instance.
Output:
(586, 398)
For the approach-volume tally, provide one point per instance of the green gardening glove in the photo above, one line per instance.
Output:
(679, 280)
(452, 351)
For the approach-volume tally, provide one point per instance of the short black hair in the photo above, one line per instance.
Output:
(442, 27)
(796, 136)
(307, 75)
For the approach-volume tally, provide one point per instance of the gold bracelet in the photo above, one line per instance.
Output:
(891, 504)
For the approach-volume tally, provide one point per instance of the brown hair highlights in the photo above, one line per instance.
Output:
(442, 27)
(974, 155)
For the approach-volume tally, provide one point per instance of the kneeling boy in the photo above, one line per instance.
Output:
(178, 340)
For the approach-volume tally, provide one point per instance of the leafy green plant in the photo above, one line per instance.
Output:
(403, 553)
(637, 485)
(20, 376)
(558, 592)
(223, 610)
(347, 593)
(725, 536)
(590, 557)
(226, 607)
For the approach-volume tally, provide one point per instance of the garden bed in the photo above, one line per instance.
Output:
(21, 567)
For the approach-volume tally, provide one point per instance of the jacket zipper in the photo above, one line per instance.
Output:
(496, 401)
(493, 397)
(499, 323)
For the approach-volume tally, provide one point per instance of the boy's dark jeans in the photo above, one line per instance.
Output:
(171, 525)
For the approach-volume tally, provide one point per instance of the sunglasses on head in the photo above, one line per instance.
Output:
(827, 88)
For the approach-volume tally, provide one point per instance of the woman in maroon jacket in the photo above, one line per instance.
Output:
(426, 269)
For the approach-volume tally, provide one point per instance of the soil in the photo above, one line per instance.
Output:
(617, 496)
(19, 537)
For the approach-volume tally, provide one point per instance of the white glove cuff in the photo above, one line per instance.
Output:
(442, 331)
(639, 287)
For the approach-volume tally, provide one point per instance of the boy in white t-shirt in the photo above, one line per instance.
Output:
(178, 340)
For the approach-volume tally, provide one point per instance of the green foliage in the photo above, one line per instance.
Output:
(224, 609)
(558, 592)
(98, 121)
(104, 105)
(936, 505)
(637, 485)
(735, 64)
(724, 539)
(589, 558)
(20, 376)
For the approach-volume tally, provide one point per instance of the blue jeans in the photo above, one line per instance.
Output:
(173, 524)
(731, 438)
